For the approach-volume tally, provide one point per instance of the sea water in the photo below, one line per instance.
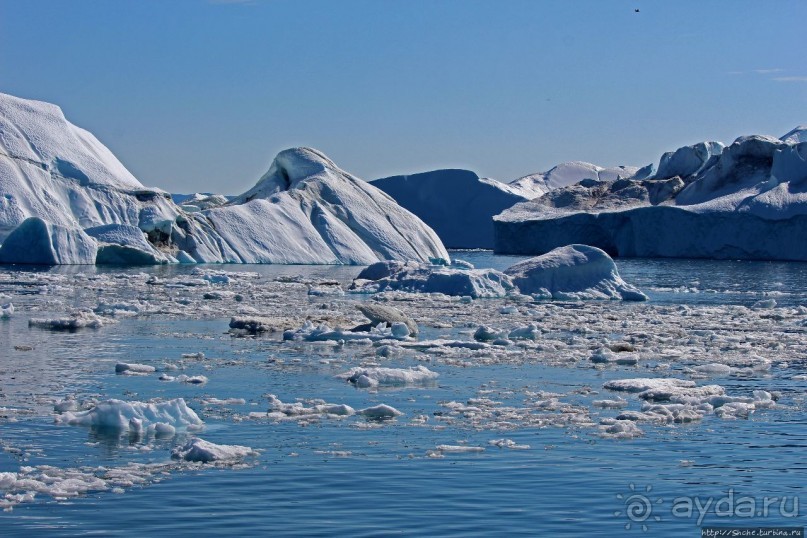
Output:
(356, 477)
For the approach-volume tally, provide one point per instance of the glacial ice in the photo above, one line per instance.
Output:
(58, 180)
(565, 174)
(199, 450)
(118, 415)
(307, 210)
(456, 204)
(747, 200)
(38, 242)
(573, 272)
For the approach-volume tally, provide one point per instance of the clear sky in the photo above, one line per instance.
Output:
(199, 95)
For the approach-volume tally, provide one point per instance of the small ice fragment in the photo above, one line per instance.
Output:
(133, 368)
(380, 412)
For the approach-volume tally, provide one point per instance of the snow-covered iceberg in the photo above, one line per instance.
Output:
(457, 204)
(747, 200)
(59, 173)
(305, 209)
(66, 199)
(573, 272)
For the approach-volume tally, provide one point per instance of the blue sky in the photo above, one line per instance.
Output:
(199, 95)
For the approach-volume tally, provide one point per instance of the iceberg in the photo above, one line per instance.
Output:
(65, 194)
(747, 200)
(305, 209)
(575, 272)
(117, 415)
(425, 278)
(457, 204)
(59, 173)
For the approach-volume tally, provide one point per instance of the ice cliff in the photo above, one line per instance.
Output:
(747, 200)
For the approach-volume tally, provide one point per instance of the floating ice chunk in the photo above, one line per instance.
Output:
(399, 330)
(325, 291)
(378, 313)
(610, 404)
(508, 443)
(488, 334)
(643, 384)
(77, 320)
(379, 412)
(371, 377)
(764, 304)
(224, 401)
(133, 368)
(714, 368)
(619, 429)
(323, 332)
(460, 449)
(199, 450)
(68, 404)
(298, 411)
(117, 309)
(115, 415)
(573, 272)
(259, 324)
(423, 278)
(192, 380)
(6, 310)
(677, 394)
(604, 355)
(732, 410)
(530, 332)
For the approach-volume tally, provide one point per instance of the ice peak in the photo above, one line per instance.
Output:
(289, 168)
(796, 136)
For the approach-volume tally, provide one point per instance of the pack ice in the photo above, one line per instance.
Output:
(747, 200)
(66, 199)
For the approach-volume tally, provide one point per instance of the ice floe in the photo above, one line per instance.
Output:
(199, 450)
(117, 415)
(373, 377)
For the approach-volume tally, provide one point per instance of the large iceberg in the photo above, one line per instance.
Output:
(305, 209)
(457, 204)
(66, 199)
(57, 172)
(747, 200)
